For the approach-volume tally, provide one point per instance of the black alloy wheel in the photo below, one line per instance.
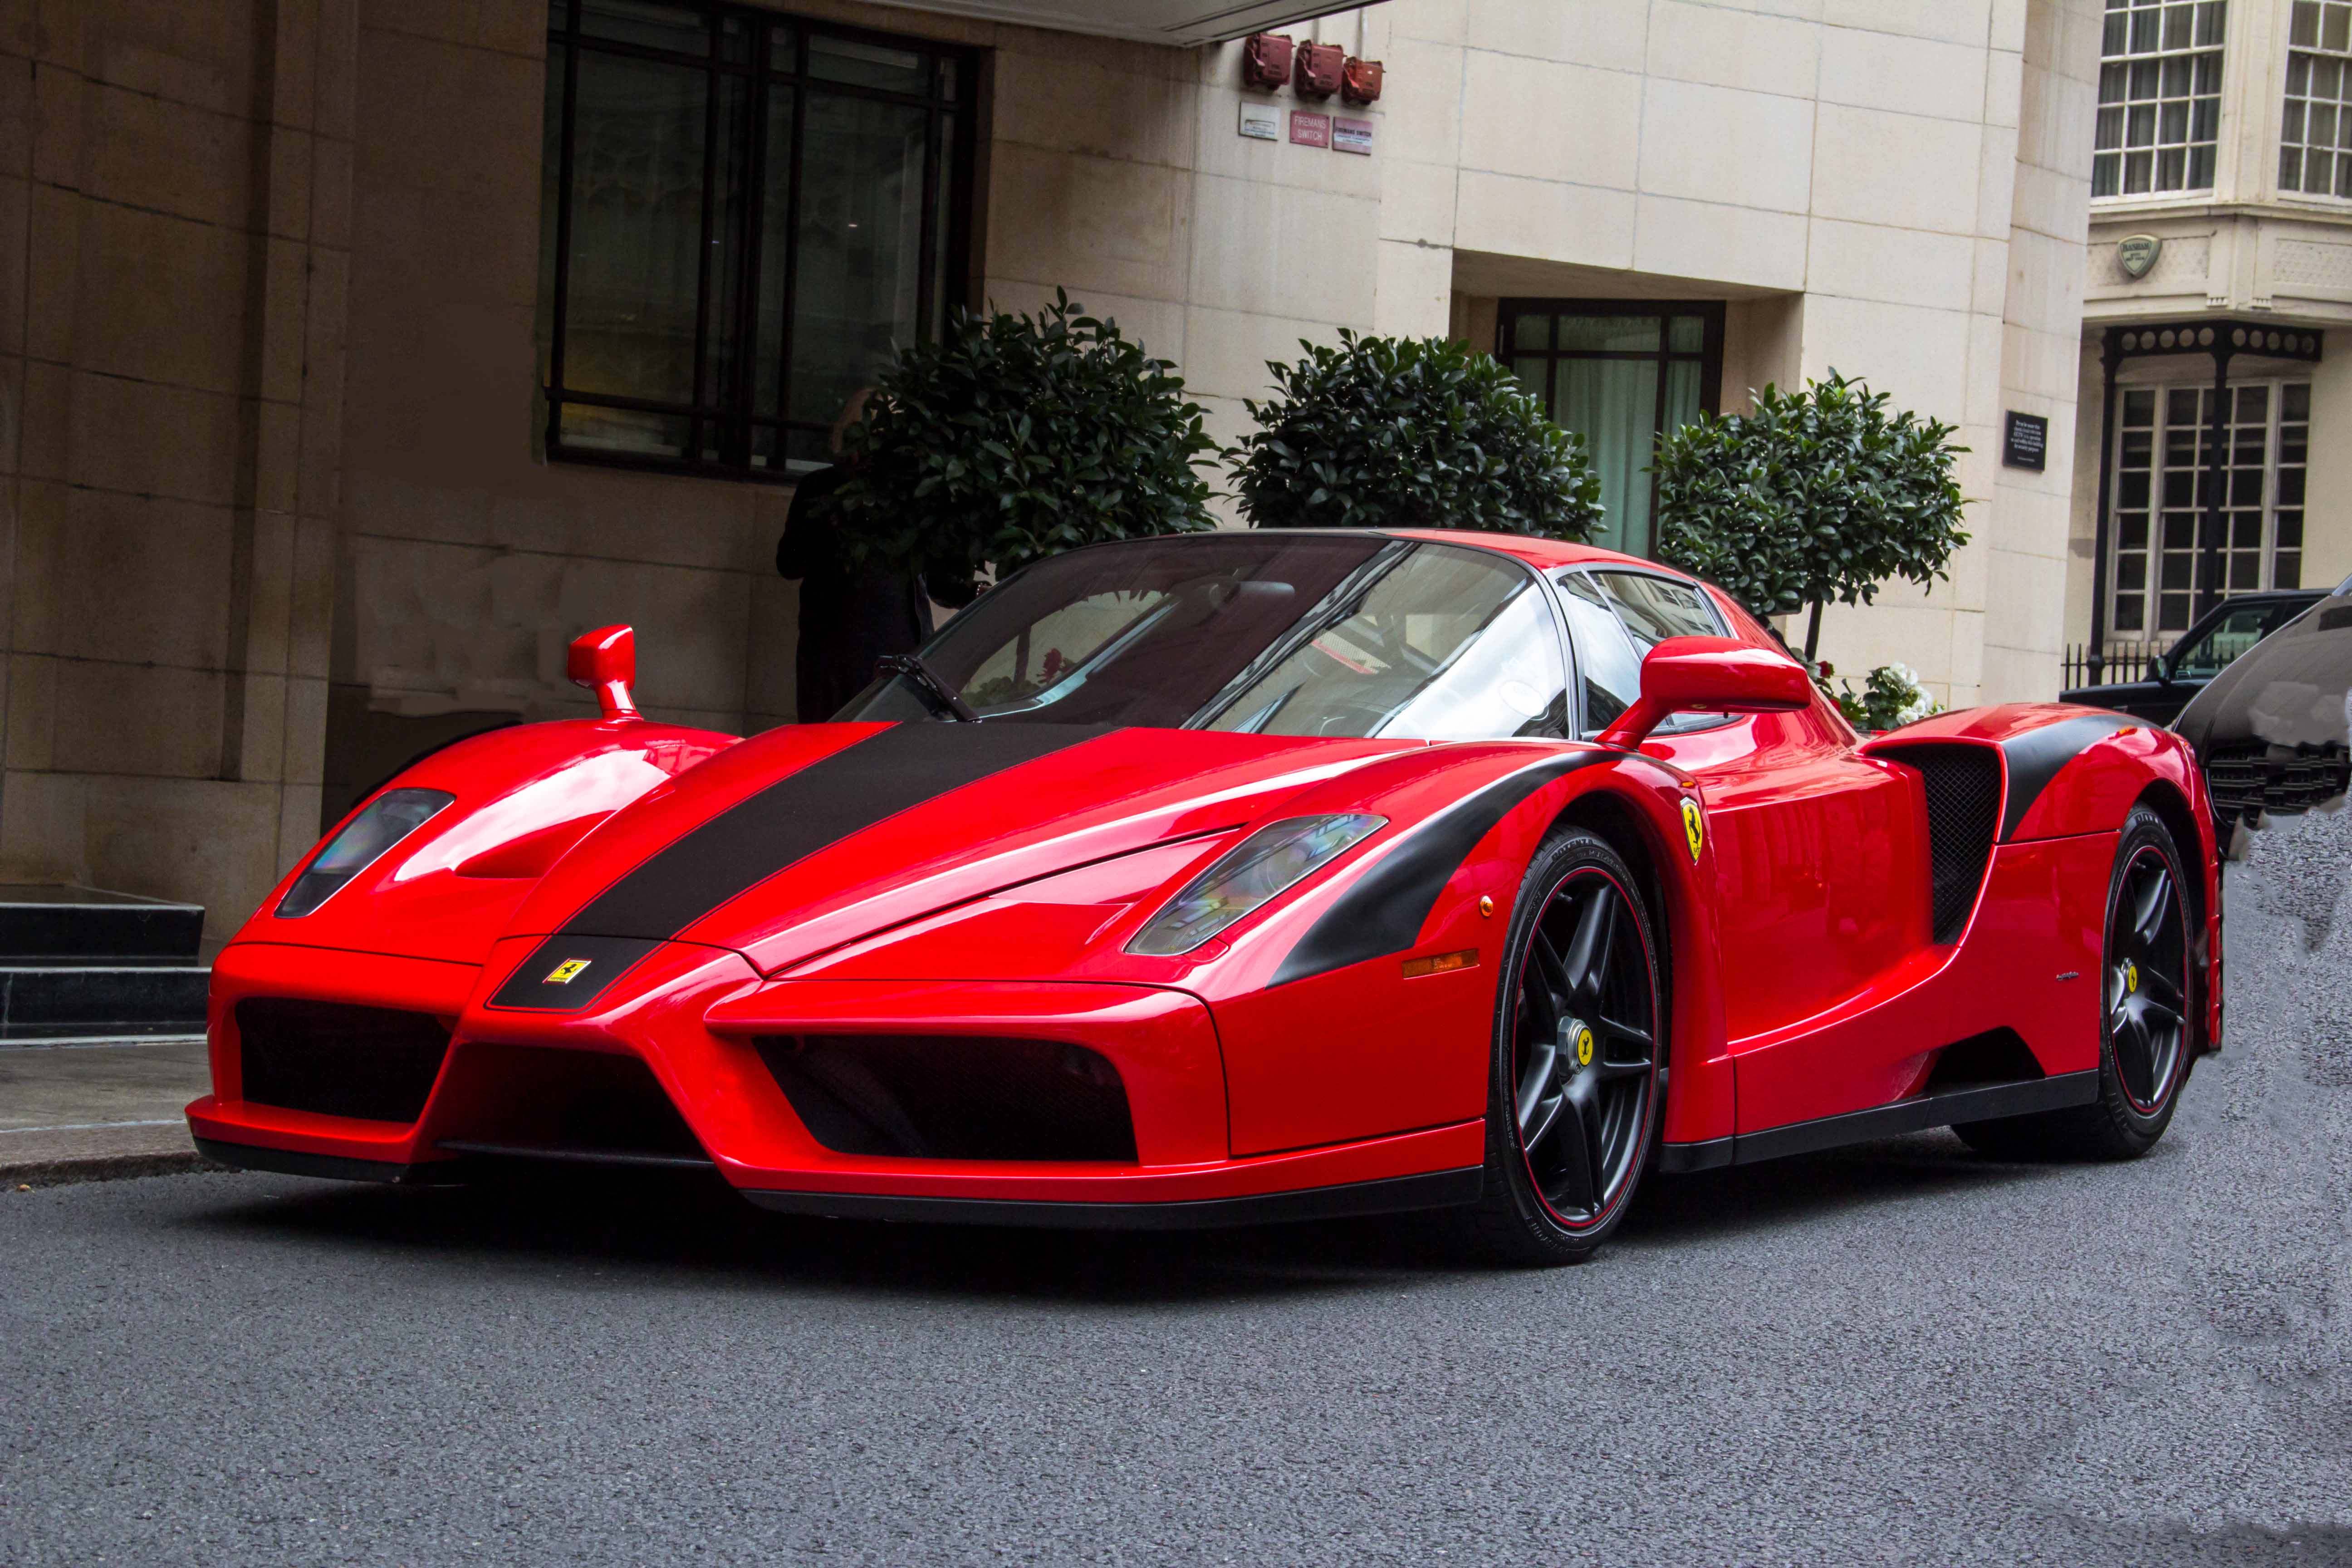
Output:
(2146, 981)
(2148, 1029)
(1579, 1067)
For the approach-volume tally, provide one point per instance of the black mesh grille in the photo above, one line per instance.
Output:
(944, 1097)
(337, 1059)
(2248, 776)
(1963, 786)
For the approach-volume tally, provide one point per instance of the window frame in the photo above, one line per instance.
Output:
(732, 413)
(2123, 150)
(2150, 592)
(1708, 356)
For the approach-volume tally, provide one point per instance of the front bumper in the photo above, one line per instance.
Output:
(694, 1018)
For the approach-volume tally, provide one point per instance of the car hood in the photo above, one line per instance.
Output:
(816, 834)
(2290, 690)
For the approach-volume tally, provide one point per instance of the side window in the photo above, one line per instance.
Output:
(1655, 609)
(1604, 653)
(2233, 635)
(1619, 617)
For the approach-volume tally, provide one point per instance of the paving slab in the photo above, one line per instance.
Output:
(71, 1113)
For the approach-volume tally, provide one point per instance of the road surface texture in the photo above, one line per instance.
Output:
(1903, 1353)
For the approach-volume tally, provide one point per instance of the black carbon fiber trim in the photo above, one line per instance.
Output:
(2036, 757)
(588, 964)
(1383, 912)
(1396, 1194)
(889, 772)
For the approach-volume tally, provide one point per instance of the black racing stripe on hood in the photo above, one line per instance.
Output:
(1383, 912)
(2034, 758)
(889, 772)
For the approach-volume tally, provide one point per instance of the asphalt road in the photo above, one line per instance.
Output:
(1900, 1354)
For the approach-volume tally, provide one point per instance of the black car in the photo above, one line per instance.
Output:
(2274, 729)
(2220, 635)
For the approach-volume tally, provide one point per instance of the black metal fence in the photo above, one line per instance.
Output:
(2118, 664)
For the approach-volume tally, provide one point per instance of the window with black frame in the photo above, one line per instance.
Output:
(746, 216)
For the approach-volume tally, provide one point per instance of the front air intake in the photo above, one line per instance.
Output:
(375, 1063)
(950, 1097)
(1963, 790)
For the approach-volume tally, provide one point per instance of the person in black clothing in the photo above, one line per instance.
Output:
(851, 617)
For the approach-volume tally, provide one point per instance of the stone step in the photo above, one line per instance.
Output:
(59, 1002)
(83, 924)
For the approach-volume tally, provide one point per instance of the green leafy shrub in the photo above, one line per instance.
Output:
(1819, 495)
(1890, 698)
(1411, 433)
(1015, 438)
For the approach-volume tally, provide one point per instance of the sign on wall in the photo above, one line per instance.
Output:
(1261, 122)
(2025, 443)
(1310, 130)
(1352, 135)
(2135, 253)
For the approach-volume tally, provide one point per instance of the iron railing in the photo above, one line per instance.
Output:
(2118, 664)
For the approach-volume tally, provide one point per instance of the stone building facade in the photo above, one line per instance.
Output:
(294, 487)
(2221, 219)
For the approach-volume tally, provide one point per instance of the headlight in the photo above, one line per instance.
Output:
(1253, 872)
(388, 819)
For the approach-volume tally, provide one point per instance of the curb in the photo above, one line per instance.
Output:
(74, 1169)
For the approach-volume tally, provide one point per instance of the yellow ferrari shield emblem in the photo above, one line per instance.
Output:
(2131, 977)
(565, 973)
(1585, 1046)
(1694, 827)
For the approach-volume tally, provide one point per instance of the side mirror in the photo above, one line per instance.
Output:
(1709, 675)
(605, 662)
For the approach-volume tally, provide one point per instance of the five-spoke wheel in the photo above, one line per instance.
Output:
(1579, 1067)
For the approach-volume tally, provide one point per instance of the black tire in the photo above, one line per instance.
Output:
(1575, 1079)
(2148, 999)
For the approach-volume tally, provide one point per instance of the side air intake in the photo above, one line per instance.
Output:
(1963, 786)
(336, 1060)
(953, 1097)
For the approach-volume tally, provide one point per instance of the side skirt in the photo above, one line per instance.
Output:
(1982, 1103)
(1437, 1189)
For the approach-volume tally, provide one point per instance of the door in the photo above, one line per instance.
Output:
(1821, 855)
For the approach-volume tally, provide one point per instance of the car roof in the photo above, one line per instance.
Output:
(1536, 550)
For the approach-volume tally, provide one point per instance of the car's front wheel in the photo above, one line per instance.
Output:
(1579, 1057)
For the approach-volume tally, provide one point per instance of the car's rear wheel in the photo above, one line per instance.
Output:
(2147, 1000)
(1577, 1067)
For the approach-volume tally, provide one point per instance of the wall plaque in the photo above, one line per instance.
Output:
(1261, 122)
(2137, 252)
(1352, 135)
(1310, 130)
(2025, 444)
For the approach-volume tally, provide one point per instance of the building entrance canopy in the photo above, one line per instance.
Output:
(1148, 21)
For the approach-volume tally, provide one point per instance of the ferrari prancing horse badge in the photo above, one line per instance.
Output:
(1694, 827)
(565, 973)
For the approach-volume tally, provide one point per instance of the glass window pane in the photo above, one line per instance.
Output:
(1615, 334)
(860, 262)
(637, 228)
(867, 64)
(1686, 336)
(1605, 658)
(775, 241)
(1446, 645)
(624, 430)
(1532, 331)
(2304, 30)
(730, 209)
(2286, 571)
(784, 47)
(1655, 609)
(656, 26)
(1614, 404)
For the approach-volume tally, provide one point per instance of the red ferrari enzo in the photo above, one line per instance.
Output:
(1237, 877)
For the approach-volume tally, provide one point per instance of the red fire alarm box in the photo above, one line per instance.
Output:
(1361, 81)
(1265, 60)
(1319, 70)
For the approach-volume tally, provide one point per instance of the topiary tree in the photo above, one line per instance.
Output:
(1411, 433)
(1014, 437)
(1817, 496)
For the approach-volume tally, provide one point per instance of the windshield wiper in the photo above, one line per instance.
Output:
(928, 681)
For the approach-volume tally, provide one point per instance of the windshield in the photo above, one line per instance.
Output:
(1264, 633)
